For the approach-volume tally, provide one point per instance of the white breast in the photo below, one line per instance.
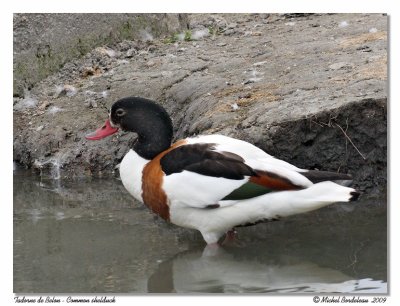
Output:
(131, 173)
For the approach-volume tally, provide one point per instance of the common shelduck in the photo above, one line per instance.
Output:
(212, 183)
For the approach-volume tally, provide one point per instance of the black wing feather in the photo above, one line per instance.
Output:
(316, 176)
(201, 158)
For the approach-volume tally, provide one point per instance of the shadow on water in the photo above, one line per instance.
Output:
(90, 236)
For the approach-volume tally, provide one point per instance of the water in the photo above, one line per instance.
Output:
(53, 163)
(90, 236)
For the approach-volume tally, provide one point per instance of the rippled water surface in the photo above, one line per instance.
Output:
(91, 236)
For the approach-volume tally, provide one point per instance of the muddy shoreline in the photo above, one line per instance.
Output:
(309, 89)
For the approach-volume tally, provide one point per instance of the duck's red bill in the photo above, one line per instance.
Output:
(104, 131)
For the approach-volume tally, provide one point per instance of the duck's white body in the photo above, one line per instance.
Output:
(189, 193)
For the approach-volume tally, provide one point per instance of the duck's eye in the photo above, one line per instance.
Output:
(120, 112)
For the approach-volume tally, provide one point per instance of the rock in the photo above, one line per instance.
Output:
(229, 32)
(151, 49)
(54, 110)
(260, 63)
(29, 102)
(105, 52)
(200, 34)
(90, 71)
(44, 105)
(44, 42)
(152, 63)
(66, 90)
(91, 103)
(245, 96)
(297, 15)
(341, 65)
(130, 53)
(234, 106)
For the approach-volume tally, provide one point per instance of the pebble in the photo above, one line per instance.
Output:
(66, 90)
(235, 106)
(229, 32)
(28, 102)
(199, 34)
(151, 48)
(341, 65)
(260, 63)
(151, 63)
(130, 53)
(90, 103)
(44, 105)
(89, 71)
(105, 51)
(249, 81)
(123, 62)
(54, 109)
(245, 96)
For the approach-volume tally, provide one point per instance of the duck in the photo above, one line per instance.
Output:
(212, 183)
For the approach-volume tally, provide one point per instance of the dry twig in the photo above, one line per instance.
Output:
(350, 141)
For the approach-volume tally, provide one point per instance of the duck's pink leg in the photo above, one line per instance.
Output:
(211, 249)
(231, 238)
(231, 235)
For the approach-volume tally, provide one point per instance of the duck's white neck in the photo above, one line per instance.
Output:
(131, 173)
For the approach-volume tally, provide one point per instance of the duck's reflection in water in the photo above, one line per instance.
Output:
(225, 271)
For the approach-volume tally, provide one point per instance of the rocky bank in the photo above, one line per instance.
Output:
(309, 89)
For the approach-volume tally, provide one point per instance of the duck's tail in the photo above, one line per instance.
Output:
(317, 176)
(314, 197)
(291, 202)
